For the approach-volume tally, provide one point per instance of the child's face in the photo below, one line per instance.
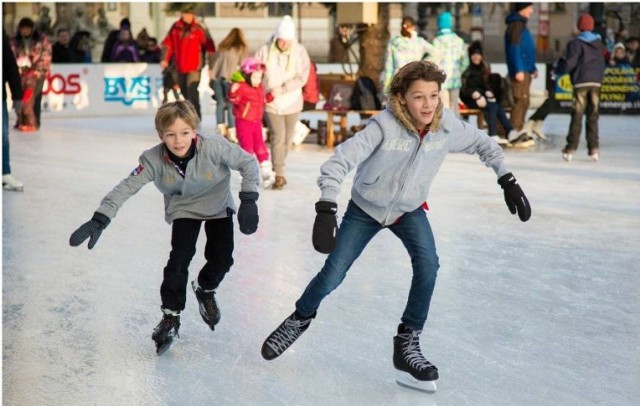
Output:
(256, 78)
(421, 100)
(619, 53)
(178, 138)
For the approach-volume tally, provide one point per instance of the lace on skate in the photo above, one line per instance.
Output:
(168, 325)
(412, 352)
(289, 332)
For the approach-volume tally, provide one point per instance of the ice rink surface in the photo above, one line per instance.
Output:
(539, 313)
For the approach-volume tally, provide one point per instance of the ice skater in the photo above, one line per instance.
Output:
(396, 157)
(248, 99)
(193, 173)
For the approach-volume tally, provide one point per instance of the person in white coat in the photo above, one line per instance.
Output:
(287, 63)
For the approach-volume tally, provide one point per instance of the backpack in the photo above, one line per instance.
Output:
(340, 97)
(365, 95)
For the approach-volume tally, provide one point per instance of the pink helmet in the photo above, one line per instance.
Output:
(252, 64)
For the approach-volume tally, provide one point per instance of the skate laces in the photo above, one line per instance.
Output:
(286, 334)
(412, 353)
(169, 322)
(208, 300)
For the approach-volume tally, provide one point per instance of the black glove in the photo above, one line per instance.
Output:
(92, 228)
(248, 212)
(325, 227)
(514, 196)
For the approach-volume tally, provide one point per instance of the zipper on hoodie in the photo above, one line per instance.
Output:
(404, 181)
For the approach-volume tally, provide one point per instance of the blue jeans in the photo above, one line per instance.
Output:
(355, 232)
(5, 139)
(496, 112)
(221, 91)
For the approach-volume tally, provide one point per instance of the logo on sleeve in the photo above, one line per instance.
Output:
(137, 171)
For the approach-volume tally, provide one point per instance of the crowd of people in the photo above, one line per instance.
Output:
(290, 81)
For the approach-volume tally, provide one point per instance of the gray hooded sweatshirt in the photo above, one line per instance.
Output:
(395, 168)
(204, 192)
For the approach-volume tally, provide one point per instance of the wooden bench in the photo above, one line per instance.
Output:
(327, 81)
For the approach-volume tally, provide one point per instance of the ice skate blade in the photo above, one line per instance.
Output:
(406, 380)
(161, 348)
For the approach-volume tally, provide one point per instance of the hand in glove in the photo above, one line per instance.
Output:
(248, 212)
(514, 196)
(325, 227)
(92, 228)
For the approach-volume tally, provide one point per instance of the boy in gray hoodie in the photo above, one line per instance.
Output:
(193, 173)
(396, 157)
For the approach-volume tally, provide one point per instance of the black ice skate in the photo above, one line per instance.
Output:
(285, 335)
(207, 304)
(414, 371)
(165, 331)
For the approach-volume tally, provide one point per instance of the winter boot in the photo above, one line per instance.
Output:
(414, 370)
(285, 335)
(280, 182)
(207, 304)
(165, 330)
(267, 173)
(11, 183)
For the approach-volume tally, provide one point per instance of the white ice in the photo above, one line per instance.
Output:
(539, 313)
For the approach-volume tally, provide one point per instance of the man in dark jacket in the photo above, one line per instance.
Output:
(11, 76)
(61, 50)
(584, 61)
(520, 51)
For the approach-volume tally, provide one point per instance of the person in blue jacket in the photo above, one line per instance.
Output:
(396, 158)
(520, 51)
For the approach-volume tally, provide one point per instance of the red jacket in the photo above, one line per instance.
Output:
(248, 101)
(311, 90)
(186, 42)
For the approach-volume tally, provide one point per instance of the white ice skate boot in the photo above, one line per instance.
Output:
(300, 133)
(267, 173)
(222, 130)
(413, 370)
(11, 183)
(536, 129)
(231, 135)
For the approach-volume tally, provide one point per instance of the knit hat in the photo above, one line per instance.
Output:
(286, 29)
(517, 7)
(475, 48)
(585, 22)
(445, 21)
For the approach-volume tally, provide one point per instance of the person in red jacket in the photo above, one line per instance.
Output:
(188, 41)
(248, 99)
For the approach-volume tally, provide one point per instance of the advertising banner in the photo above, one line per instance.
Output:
(620, 92)
(76, 90)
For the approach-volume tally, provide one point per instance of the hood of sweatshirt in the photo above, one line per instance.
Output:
(589, 37)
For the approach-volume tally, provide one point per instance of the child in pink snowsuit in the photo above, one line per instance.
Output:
(248, 99)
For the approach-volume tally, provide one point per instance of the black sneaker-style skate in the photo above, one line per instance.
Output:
(207, 304)
(414, 371)
(285, 335)
(165, 331)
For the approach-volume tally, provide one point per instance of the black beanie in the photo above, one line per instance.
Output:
(475, 48)
(26, 22)
(521, 6)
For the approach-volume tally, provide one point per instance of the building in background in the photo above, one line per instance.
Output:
(552, 23)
